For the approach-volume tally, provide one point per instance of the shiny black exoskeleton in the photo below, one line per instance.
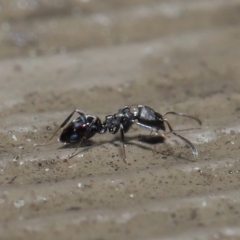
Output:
(86, 126)
(77, 128)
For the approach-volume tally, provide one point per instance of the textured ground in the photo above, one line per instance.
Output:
(99, 56)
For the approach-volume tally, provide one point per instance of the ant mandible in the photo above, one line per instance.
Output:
(86, 126)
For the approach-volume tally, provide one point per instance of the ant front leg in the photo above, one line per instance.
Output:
(124, 152)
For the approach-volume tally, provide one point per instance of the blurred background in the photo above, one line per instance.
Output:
(40, 27)
(98, 56)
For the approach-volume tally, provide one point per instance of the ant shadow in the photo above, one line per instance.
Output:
(116, 140)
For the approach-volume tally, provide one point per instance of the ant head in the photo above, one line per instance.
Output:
(77, 129)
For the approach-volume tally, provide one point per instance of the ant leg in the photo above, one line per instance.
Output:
(84, 137)
(155, 132)
(124, 152)
(184, 115)
(80, 143)
(161, 134)
(194, 150)
(65, 122)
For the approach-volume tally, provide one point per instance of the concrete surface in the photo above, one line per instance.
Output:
(98, 56)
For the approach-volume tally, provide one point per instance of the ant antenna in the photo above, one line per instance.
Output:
(184, 115)
(194, 150)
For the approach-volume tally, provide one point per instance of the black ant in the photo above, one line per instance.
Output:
(86, 126)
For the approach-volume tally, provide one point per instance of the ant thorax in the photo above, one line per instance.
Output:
(134, 110)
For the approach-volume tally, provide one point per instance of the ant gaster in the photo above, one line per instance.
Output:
(86, 126)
